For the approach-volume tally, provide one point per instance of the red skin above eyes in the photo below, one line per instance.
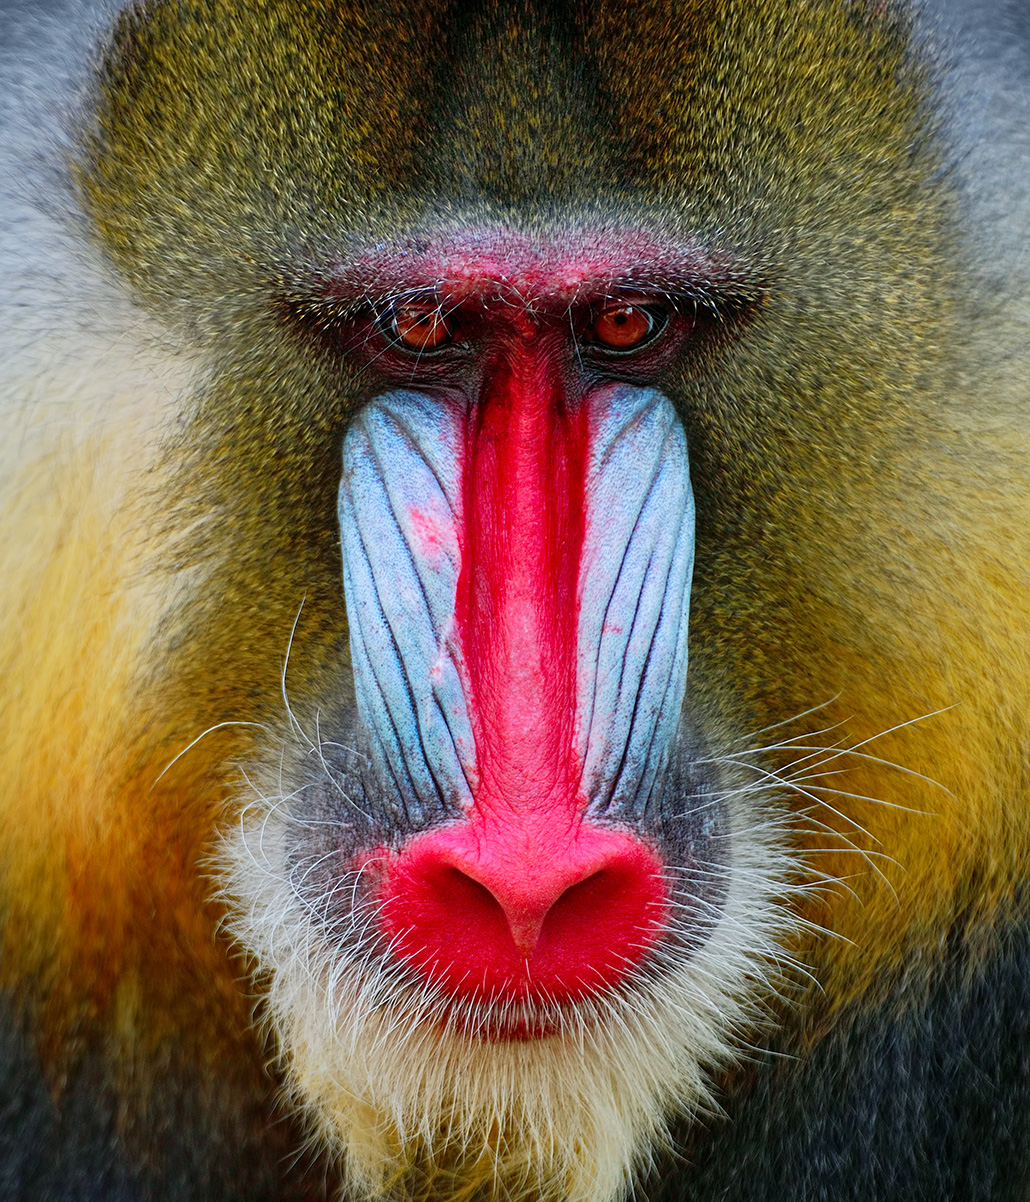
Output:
(526, 898)
(527, 272)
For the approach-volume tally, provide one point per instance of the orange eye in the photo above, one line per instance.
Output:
(420, 328)
(622, 327)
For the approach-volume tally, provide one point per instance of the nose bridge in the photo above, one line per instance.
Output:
(517, 603)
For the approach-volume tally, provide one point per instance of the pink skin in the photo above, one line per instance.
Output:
(532, 274)
(527, 897)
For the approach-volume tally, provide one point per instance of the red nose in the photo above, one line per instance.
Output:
(516, 914)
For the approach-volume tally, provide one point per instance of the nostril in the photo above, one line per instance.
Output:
(498, 919)
(586, 901)
(463, 896)
(528, 914)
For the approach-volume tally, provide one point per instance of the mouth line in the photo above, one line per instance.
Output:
(491, 1021)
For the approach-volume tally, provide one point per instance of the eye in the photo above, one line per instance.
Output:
(624, 327)
(420, 327)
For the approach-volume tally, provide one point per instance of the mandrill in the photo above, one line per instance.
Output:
(515, 592)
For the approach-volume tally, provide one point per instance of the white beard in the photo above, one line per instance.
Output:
(420, 1106)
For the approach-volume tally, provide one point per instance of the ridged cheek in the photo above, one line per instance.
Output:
(634, 593)
(400, 507)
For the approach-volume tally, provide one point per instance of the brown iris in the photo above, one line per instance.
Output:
(622, 326)
(421, 327)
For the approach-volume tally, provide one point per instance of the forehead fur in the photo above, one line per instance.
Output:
(225, 134)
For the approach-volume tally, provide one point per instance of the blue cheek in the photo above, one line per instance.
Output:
(635, 575)
(400, 511)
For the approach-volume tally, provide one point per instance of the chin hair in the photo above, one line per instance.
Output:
(411, 1089)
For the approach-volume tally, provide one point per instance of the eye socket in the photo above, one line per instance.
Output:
(622, 326)
(420, 327)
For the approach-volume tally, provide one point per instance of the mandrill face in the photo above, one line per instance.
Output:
(510, 592)
(517, 534)
(502, 859)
